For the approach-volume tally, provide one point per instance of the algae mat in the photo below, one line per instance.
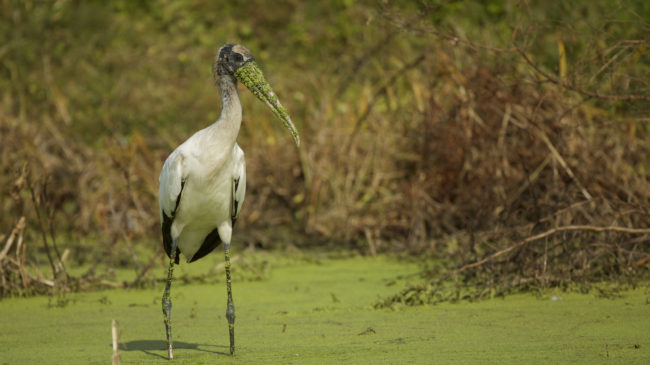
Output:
(322, 313)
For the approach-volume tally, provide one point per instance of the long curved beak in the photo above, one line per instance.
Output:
(251, 76)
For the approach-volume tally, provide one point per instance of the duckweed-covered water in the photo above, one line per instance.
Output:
(321, 312)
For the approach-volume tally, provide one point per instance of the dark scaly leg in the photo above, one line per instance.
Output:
(230, 311)
(167, 300)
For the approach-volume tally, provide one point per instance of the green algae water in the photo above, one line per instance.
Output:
(322, 312)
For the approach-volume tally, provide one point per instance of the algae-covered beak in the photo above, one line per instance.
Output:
(251, 76)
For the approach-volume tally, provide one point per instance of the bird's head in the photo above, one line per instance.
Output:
(237, 61)
(230, 58)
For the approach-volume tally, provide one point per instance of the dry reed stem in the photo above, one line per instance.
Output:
(15, 232)
(43, 231)
(563, 163)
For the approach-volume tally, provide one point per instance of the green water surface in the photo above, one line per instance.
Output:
(322, 312)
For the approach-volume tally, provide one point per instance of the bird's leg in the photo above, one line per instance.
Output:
(230, 311)
(167, 300)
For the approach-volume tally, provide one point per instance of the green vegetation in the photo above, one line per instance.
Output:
(320, 311)
(504, 142)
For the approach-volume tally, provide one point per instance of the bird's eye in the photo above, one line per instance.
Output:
(238, 57)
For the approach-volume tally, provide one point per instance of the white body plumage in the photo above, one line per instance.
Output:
(206, 167)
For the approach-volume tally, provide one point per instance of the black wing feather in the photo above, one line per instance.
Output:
(210, 242)
(167, 227)
(235, 204)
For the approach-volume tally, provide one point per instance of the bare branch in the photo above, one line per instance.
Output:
(539, 236)
(593, 94)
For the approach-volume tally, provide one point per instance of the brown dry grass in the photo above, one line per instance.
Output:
(417, 141)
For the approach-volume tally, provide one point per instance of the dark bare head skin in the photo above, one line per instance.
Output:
(230, 58)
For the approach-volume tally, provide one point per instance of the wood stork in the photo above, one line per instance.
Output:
(203, 181)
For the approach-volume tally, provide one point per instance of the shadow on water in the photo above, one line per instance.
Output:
(147, 346)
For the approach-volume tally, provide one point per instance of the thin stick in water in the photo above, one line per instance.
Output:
(116, 352)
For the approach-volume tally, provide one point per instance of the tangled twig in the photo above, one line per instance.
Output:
(534, 238)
